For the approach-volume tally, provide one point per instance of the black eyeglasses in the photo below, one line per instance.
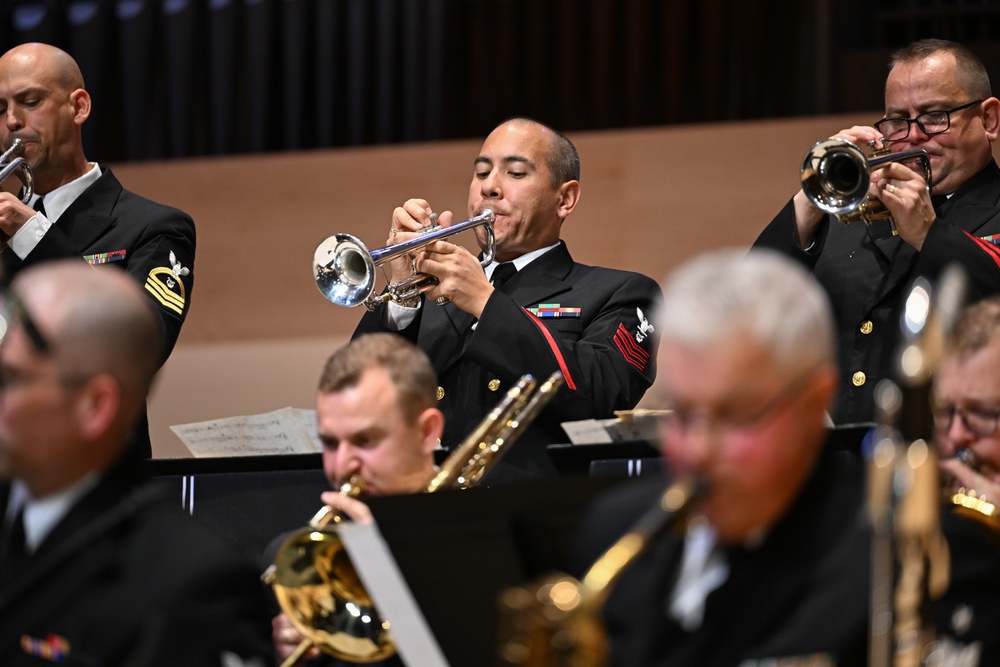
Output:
(981, 423)
(14, 311)
(932, 122)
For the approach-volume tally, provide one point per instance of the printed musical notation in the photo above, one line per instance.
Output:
(285, 431)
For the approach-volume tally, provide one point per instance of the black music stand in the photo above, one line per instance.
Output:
(457, 550)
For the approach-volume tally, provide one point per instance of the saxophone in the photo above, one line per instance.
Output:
(557, 623)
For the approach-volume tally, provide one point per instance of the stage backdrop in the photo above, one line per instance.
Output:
(259, 330)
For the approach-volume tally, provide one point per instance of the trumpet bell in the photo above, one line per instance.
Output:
(344, 270)
(835, 176)
(321, 594)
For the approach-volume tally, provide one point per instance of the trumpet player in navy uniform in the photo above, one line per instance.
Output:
(83, 211)
(772, 567)
(937, 98)
(551, 314)
(966, 414)
(98, 565)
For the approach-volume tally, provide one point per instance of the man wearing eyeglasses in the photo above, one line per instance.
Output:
(772, 567)
(937, 98)
(965, 409)
(97, 565)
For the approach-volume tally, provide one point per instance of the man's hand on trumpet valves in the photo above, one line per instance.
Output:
(904, 193)
(407, 222)
(460, 276)
(13, 213)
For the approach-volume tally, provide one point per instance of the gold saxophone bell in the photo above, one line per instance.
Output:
(313, 577)
(557, 623)
(835, 176)
(344, 269)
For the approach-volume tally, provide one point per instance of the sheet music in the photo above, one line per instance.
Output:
(285, 431)
(627, 426)
(393, 599)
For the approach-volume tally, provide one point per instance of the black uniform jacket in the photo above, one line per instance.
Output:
(153, 243)
(127, 579)
(593, 324)
(802, 593)
(867, 273)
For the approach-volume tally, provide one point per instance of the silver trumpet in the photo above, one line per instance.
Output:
(12, 163)
(344, 269)
(836, 174)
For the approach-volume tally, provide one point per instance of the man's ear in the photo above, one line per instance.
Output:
(80, 99)
(98, 404)
(431, 423)
(569, 196)
(991, 118)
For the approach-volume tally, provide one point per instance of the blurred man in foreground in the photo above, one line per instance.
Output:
(97, 566)
(747, 366)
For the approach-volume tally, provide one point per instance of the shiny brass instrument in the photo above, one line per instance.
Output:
(344, 269)
(12, 163)
(970, 502)
(312, 576)
(321, 594)
(557, 623)
(910, 559)
(836, 174)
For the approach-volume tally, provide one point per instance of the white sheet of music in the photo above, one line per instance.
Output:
(389, 591)
(284, 431)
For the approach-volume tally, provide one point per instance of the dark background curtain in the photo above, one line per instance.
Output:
(183, 78)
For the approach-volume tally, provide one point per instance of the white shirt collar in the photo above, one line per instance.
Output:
(522, 261)
(60, 199)
(42, 515)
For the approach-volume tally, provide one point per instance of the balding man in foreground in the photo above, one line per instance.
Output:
(96, 566)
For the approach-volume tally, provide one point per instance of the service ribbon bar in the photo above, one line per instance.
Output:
(992, 238)
(105, 257)
(553, 310)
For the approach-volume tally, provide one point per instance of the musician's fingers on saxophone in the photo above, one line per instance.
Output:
(350, 507)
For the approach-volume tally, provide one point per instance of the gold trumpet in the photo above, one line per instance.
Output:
(557, 623)
(313, 577)
(344, 269)
(835, 176)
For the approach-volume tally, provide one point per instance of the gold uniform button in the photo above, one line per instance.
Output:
(494, 384)
(440, 393)
(866, 327)
(858, 379)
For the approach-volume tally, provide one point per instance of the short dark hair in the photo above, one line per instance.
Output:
(976, 328)
(409, 369)
(562, 159)
(969, 69)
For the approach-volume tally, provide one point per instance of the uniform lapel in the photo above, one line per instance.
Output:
(89, 216)
(539, 280)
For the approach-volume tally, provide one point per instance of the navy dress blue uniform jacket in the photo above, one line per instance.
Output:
(602, 341)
